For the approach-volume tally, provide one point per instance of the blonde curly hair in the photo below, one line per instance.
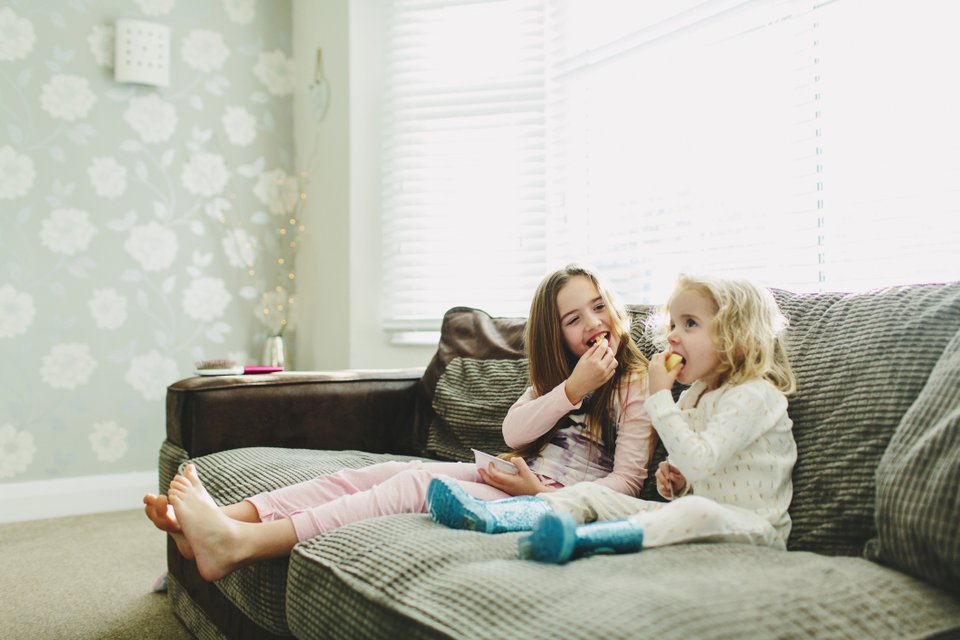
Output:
(747, 329)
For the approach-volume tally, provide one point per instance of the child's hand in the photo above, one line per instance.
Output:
(593, 370)
(524, 483)
(670, 482)
(658, 377)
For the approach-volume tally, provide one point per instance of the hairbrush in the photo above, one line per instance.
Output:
(218, 367)
(224, 367)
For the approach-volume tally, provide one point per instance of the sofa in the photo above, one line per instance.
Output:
(874, 551)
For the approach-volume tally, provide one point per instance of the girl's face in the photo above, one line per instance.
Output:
(691, 313)
(584, 316)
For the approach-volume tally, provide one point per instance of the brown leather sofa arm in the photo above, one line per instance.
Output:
(370, 410)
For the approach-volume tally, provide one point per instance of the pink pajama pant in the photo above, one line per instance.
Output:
(331, 501)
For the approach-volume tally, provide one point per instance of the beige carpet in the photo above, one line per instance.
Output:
(85, 577)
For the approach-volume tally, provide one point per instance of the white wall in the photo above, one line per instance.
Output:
(339, 275)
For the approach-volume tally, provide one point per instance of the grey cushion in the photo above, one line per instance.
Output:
(259, 590)
(378, 576)
(478, 366)
(861, 360)
(918, 482)
(471, 399)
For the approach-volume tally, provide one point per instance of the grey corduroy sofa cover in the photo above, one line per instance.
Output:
(874, 551)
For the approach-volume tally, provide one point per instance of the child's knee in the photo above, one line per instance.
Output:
(416, 480)
(698, 509)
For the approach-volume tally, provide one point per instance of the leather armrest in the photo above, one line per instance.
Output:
(369, 410)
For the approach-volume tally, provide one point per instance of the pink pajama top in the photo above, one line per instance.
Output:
(571, 456)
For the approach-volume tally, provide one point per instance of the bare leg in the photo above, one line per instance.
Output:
(219, 543)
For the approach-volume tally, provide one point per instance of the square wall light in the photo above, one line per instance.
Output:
(142, 53)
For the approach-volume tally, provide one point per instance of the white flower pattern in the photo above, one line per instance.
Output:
(16, 311)
(16, 173)
(206, 299)
(68, 366)
(155, 7)
(108, 309)
(240, 248)
(240, 126)
(67, 231)
(275, 70)
(240, 11)
(204, 50)
(108, 177)
(17, 449)
(67, 97)
(16, 36)
(153, 246)
(101, 42)
(150, 374)
(131, 242)
(277, 190)
(108, 441)
(205, 174)
(152, 118)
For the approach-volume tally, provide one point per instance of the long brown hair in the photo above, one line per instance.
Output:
(551, 362)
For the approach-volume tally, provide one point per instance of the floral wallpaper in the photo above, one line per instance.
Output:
(138, 224)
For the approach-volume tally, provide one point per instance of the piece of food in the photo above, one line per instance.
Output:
(597, 339)
(673, 360)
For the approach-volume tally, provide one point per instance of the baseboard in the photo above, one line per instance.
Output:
(74, 496)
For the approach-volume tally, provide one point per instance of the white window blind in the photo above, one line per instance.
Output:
(463, 158)
(807, 146)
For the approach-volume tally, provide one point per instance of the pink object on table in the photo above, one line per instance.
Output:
(256, 369)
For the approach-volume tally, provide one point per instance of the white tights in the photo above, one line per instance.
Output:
(688, 519)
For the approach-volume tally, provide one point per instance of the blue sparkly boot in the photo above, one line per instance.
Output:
(450, 505)
(556, 538)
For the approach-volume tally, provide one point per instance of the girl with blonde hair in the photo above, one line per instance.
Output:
(729, 438)
(581, 420)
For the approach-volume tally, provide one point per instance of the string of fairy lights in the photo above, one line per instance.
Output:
(276, 304)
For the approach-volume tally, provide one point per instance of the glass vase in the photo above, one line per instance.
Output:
(274, 352)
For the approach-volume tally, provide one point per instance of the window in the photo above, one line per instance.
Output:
(806, 146)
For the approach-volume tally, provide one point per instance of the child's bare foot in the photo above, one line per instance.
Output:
(212, 536)
(160, 512)
(162, 515)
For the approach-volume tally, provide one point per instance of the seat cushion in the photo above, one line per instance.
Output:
(259, 590)
(405, 576)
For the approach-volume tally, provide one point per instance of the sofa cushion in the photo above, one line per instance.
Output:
(373, 578)
(918, 501)
(477, 373)
(471, 399)
(259, 590)
(861, 360)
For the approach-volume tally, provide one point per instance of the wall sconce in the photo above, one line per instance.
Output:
(142, 52)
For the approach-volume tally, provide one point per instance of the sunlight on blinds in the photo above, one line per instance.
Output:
(808, 146)
(891, 157)
(463, 154)
(685, 151)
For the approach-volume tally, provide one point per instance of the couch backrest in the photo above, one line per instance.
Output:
(860, 359)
